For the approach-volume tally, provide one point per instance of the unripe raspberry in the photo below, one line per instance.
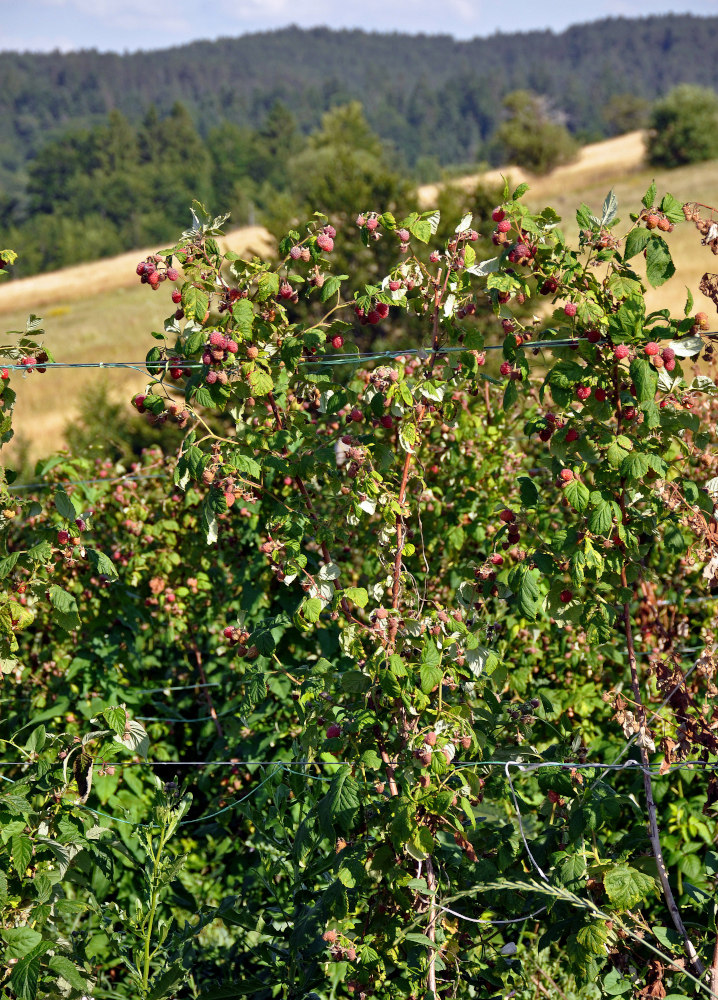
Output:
(430, 738)
(566, 475)
(210, 378)
(337, 342)
(360, 220)
(570, 309)
(329, 936)
(621, 351)
(572, 435)
(505, 368)
(172, 274)
(668, 354)
(333, 731)
(404, 235)
(600, 395)
(664, 225)
(651, 348)
(496, 559)
(394, 286)
(434, 257)
(329, 231)
(306, 254)
(252, 352)
(652, 220)
(702, 321)
(504, 226)
(222, 378)
(139, 402)
(507, 516)
(63, 537)
(498, 214)
(371, 224)
(583, 392)
(566, 596)
(325, 242)
(466, 742)
(593, 336)
(295, 253)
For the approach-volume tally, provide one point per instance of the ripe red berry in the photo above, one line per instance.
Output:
(507, 516)
(5, 374)
(566, 475)
(652, 220)
(176, 296)
(668, 354)
(570, 309)
(394, 286)
(172, 273)
(383, 309)
(572, 434)
(505, 368)
(217, 339)
(496, 559)
(549, 286)
(498, 214)
(337, 341)
(566, 596)
(63, 536)
(670, 364)
(593, 336)
(583, 392)
(545, 433)
(325, 242)
(373, 317)
(504, 226)
(329, 231)
(232, 346)
(652, 348)
(211, 377)
(356, 415)
(387, 421)
(621, 351)
(333, 731)
(600, 395)
(139, 402)
(508, 325)
(630, 412)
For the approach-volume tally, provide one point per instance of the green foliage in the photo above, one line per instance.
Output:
(531, 137)
(684, 127)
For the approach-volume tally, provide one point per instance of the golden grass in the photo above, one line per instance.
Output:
(99, 311)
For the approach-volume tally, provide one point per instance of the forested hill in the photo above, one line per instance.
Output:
(432, 96)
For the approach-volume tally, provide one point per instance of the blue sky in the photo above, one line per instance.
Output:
(120, 25)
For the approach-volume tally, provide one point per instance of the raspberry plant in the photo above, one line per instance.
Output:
(436, 590)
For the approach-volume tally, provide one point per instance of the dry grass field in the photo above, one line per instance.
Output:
(100, 312)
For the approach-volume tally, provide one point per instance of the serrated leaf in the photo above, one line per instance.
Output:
(429, 676)
(116, 718)
(65, 506)
(635, 465)
(645, 378)
(635, 243)
(593, 938)
(357, 595)
(610, 207)
(267, 286)
(134, 739)
(528, 491)
(195, 303)
(312, 609)
(524, 583)
(577, 495)
(339, 807)
(659, 263)
(672, 208)
(64, 605)
(69, 972)
(626, 887)
(600, 521)
(20, 941)
(243, 315)
(649, 197)
(21, 849)
(686, 347)
(26, 973)
(102, 564)
(260, 382)
(407, 437)
(255, 689)
(421, 229)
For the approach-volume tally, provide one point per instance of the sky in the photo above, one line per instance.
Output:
(128, 25)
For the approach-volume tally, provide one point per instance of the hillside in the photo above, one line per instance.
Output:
(430, 96)
(99, 311)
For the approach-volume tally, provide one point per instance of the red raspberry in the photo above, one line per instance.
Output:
(371, 224)
(154, 279)
(496, 559)
(593, 336)
(329, 936)
(566, 596)
(652, 220)
(434, 257)
(383, 309)
(583, 392)
(329, 231)
(228, 632)
(295, 253)
(387, 421)
(373, 317)
(218, 339)
(404, 235)
(621, 352)
(668, 354)
(505, 368)
(522, 250)
(172, 273)
(285, 290)
(337, 342)
(211, 377)
(139, 402)
(549, 286)
(508, 325)
(600, 395)
(498, 214)
(5, 374)
(325, 242)
(63, 536)
(394, 286)
(630, 412)
(176, 296)
(232, 346)
(572, 435)
(545, 433)
(570, 309)
(333, 731)
(356, 415)
(669, 365)
(504, 226)
(566, 475)
(28, 362)
(507, 516)
(652, 348)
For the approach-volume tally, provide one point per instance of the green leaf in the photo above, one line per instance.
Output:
(65, 612)
(600, 521)
(21, 853)
(195, 303)
(577, 495)
(26, 973)
(116, 718)
(69, 972)
(649, 197)
(529, 492)
(645, 378)
(524, 582)
(635, 465)
(163, 984)
(255, 690)
(312, 609)
(357, 595)
(635, 243)
(267, 286)
(430, 654)
(626, 887)
(339, 807)
(8, 564)
(672, 208)
(610, 207)
(421, 229)
(615, 454)
(430, 676)
(593, 938)
(260, 382)
(20, 941)
(572, 871)
(659, 263)
(102, 564)
(511, 395)
(243, 315)
(65, 506)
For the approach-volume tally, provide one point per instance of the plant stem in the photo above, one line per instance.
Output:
(431, 929)
(154, 900)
